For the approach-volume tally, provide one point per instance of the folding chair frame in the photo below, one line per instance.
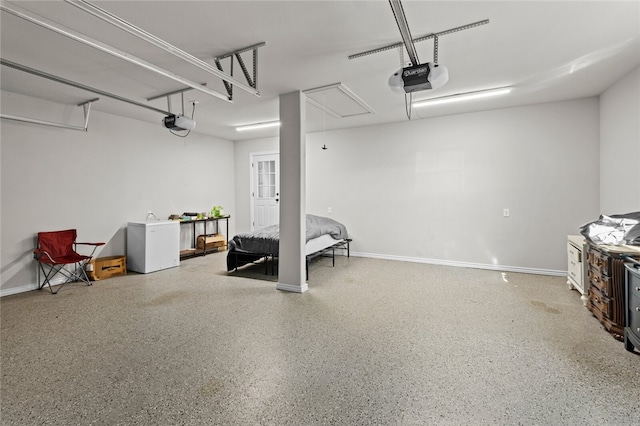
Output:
(50, 267)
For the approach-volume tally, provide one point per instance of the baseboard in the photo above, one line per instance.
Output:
(502, 268)
(293, 288)
(28, 287)
(16, 290)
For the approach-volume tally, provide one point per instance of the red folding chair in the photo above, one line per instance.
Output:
(55, 251)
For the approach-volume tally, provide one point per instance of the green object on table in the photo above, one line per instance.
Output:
(217, 211)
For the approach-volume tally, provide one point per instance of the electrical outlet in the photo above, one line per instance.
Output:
(505, 212)
(329, 210)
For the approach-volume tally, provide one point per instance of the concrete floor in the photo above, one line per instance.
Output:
(371, 342)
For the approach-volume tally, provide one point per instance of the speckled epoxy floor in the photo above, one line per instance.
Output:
(371, 342)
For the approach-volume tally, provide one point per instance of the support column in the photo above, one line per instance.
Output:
(291, 263)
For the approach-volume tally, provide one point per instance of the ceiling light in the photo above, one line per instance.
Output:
(463, 97)
(256, 126)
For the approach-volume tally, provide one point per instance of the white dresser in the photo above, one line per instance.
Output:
(577, 266)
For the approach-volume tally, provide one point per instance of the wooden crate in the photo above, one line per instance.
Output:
(211, 241)
(106, 267)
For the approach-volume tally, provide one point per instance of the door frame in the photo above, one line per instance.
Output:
(252, 188)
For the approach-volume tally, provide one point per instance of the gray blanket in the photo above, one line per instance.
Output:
(266, 240)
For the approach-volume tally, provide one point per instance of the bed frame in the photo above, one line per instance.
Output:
(339, 244)
(240, 258)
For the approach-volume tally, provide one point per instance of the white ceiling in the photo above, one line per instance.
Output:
(547, 50)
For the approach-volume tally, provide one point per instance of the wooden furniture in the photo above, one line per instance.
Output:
(106, 267)
(577, 266)
(203, 250)
(606, 274)
(632, 324)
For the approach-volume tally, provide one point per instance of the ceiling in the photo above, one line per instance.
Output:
(547, 50)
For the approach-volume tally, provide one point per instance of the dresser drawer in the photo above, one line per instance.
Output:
(600, 302)
(598, 313)
(633, 322)
(600, 281)
(634, 288)
(633, 299)
(634, 305)
(575, 271)
(599, 261)
(573, 253)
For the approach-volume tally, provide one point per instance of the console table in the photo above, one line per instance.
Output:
(194, 250)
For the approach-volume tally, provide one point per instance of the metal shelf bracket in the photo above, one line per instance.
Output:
(252, 79)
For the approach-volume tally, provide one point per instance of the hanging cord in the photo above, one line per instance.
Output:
(408, 104)
(193, 112)
(324, 121)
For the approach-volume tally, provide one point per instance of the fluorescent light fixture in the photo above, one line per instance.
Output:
(463, 97)
(255, 126)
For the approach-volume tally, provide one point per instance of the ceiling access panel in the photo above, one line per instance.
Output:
(338, 101)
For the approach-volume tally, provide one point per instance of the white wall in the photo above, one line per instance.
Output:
(434, 190)
(99, 180)
(620, 146)
(427, 190)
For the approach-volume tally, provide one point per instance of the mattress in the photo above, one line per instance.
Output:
(267, 240)
(320, 243)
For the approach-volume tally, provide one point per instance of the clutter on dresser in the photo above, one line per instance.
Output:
(614, 230)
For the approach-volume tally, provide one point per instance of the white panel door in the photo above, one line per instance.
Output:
(266, 190)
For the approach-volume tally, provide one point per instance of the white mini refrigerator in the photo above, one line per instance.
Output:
(153, 246)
